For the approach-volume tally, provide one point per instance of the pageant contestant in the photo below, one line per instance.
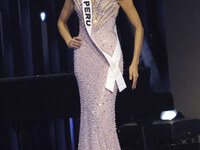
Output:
(98, 66)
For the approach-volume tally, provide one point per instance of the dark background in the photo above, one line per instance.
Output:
(182, 20)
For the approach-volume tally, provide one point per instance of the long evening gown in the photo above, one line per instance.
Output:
(97, 118)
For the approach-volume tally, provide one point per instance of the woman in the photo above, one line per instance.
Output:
(98, 64)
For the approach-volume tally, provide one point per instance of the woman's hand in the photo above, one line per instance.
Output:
(133, 74)
(74, 42)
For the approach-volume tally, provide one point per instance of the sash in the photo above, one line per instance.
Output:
(114, 72)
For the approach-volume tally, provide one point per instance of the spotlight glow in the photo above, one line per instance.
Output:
(43, 16)
(168, 115)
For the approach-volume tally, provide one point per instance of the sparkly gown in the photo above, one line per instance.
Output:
(97, 118)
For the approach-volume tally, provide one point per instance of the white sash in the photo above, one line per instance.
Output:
(114, 72)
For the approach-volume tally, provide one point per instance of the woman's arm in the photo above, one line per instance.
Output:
(66, 12)
(130, 10)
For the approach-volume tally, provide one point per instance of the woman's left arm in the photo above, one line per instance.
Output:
(130, 10)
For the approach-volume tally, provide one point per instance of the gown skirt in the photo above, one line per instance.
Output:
(97, 117)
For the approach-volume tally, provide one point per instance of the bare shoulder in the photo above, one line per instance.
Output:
(130, 10)
(125, 3)
(67, 10)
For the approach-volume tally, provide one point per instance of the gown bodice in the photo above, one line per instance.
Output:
(104, 13)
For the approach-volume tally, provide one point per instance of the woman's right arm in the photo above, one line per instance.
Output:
(66, 12)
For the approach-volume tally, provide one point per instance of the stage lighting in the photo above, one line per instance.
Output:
(168, 115)
(43, 16)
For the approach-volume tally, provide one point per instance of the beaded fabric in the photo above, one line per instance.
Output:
(97, 118)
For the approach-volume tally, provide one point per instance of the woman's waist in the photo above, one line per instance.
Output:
(105, 41)
(100, 35)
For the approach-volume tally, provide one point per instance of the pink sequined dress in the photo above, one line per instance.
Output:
(97, 118)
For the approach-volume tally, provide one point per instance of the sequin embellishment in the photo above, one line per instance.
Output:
(97, 118)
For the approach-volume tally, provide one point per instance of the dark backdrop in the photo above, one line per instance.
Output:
(182, 18)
